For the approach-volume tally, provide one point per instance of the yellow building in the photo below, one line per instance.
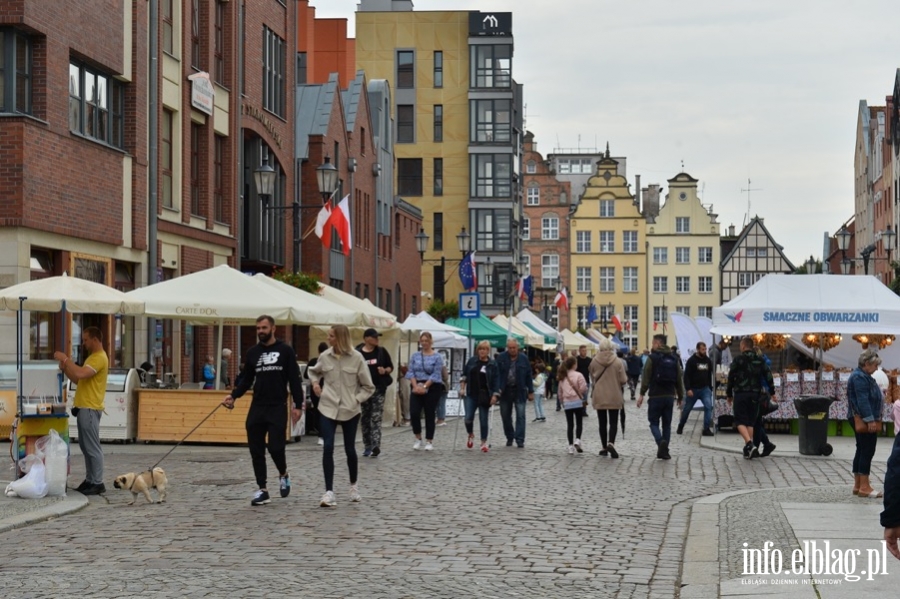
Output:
(608, 256)
(683, 256)
(457, 113)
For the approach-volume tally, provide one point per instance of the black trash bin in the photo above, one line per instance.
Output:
(813, 413)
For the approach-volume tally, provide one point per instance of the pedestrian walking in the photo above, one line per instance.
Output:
(88, 406)
(312, 406)
(404, 390)
(865, 405)
(746, 380)
(539, 382)
(223, 368)
(572, 391)
(441, 411)
(380, 366)
(890, 517)
(608, 376)
(270, 367)
(583, 366)
(516, 389)
(762, 446)
(662, 381)
(479, 385)
(347, 385)
(427, 384)
(699, 378)
(633, 367)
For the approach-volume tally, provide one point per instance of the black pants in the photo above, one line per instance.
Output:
(428, 403)
(328, 428)
(759, 432)
(266, 422)
(613, 416)
(573, 420)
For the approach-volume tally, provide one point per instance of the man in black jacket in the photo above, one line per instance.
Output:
(890, 517)
(380, 368)
(583, 366)
(634, 365)
(663, 379)
(270, 367)
(699, 376)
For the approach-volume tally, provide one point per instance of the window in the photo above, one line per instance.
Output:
(583, 279)
(682, 224)
(406, 123)
(302, 63)
(660, 284)
(531, 167)
(745, 279)
(704, 312)
(686, 310)
(491, 121)
(438, 122)
(219, 178)
(274, 73)
(682, 284)
(660, 315)
(582, 242)
(490, 66)
(563, 167)
(438, 176)
(607, 242)
(630, 279)
(660, 255)
(438, 232)
(439, 69)
(15, 71)
(96, 105)
(704, 284)
(168, 36)
(534, 195)
(165, 162)
(751, 252)
(705, 255)
(630, 242)
(406, 76)
(195, 168)
(549, 270)
(492, 230)
(219, 45)
(550, 228)
(607, 279)
(491, 175)
(195, 34)
(526, 229)
(630, 314)
(761, 252)
(682, 255)
(409, 176)
(607, 208)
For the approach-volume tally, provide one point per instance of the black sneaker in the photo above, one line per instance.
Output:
(663, 450)
(509, 442)
(747, 449)
(604, 453)
(768, 448)
(615, 454)
(84, 485)
(754, 453)
(284, 485)
(376, 451)
(94, 489)
(708, 433)
(261, 497)
(680, 429)
(367, 453)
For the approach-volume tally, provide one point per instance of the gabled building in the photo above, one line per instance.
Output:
(683, 254)
(753, 254)
(608, 255)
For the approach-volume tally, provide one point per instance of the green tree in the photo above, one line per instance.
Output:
(306, 281)
(443, 310)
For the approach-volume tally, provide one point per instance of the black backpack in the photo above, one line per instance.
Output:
(665, 368)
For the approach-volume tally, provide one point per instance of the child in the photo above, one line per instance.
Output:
(540, 379)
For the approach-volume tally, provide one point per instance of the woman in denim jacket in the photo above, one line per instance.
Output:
(427, 385)
(864, 398)
(479, 383)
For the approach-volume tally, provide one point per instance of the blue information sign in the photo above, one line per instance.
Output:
(469, 305)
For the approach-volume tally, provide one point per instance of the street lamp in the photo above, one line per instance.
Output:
(264, 178)
(843, 239)
(811, 266)
(462, 242)
(326, 177)
(845, 266)
(609, 312)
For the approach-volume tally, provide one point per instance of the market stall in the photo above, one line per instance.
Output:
(819, 310)
(484, 329)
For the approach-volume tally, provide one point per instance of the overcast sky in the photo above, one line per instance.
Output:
(766, 90)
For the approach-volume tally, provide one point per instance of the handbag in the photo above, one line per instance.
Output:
(861, 426)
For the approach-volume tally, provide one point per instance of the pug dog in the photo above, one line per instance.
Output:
(142, 483)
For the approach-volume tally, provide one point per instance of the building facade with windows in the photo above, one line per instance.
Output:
(608, 256)
(752, 255)
(683, 255)
(545, 232)
(576, 165)
(457, 118)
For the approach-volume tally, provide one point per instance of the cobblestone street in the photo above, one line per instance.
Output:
(531, 522)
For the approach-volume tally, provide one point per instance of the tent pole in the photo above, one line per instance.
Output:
(218, 358)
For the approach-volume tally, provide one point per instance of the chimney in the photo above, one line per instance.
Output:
(637, 193)
(731, 230)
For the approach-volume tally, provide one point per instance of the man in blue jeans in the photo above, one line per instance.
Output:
(664, 379)
(699, 378)
(516, 388)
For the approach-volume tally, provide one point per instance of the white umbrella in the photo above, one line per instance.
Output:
(313, 309)
(374, 316)
(72, 294)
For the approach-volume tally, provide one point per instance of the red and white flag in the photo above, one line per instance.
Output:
(323, 230)
(617, 321)
(340, 220)
(562, 299)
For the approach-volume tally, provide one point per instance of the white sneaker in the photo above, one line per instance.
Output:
(418, 444)
(571, 449)
(578, 446)
(321, 441)
(354, 494)
(429, 446)
(328, 499)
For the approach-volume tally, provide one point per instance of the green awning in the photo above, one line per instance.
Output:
(547, 338)
(483, 328)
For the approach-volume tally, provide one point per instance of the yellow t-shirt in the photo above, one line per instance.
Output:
(90, 391)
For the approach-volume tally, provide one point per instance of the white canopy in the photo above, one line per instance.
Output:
(532, 338)
(373, 315)
(574, 341)
(444, 335)
(796, 304)
(312, 309)
(526, 315)
(80, 296)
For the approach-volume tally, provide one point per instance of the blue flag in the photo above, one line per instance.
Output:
(467, 275)
(592, 314)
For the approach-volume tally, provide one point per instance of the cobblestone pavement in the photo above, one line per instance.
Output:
(531, 522)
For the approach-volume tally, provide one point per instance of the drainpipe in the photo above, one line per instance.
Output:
(153, 165)
(351, 166)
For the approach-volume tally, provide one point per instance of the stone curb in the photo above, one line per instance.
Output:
(73, 502)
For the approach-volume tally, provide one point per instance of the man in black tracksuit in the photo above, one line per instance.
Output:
(699, 378)
(270, 367)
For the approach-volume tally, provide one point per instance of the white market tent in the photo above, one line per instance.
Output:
(313, 307)
(526, 315)
(374, 316)
(444, 335)
(532, 338)
(797, 304)
(574, 340)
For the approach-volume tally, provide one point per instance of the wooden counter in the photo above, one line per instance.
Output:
(170, 414)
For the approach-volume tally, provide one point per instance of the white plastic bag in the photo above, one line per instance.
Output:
(33, 485)
(56, 461)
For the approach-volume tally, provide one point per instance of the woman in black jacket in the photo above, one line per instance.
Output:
(479, 383)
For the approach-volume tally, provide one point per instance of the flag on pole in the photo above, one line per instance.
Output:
(323, 230)
(340, 220)
(467, 272)
(655, 324)
(627, 325)
(562, 299)
(592, 314)
(525, 289)
(617, 321)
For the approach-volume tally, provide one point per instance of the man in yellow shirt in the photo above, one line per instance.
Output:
(91, 379)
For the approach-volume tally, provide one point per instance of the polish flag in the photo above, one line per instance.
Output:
(562, 299)
(617, 321)
(323, 231)
(340, 220)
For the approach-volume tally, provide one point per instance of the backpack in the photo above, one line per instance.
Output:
(665, 368)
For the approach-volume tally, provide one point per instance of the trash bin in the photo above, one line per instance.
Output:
(813, 413)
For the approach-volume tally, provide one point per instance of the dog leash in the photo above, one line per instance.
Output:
(185, 437)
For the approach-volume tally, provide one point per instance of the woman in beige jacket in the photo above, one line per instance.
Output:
(347, 384)
(607, 378)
